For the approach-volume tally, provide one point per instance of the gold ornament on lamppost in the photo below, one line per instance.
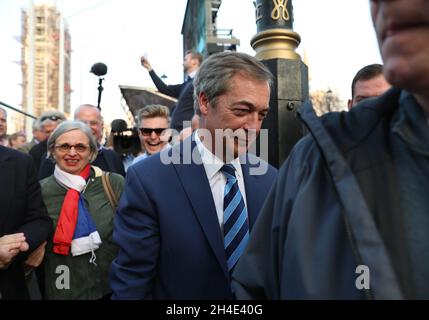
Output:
(275, 37)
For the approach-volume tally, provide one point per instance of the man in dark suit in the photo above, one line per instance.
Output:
(184, 108)
(107, 160)
(185, 245)
(24, 223)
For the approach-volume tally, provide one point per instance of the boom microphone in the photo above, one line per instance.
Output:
(119, 125)
(99, 69)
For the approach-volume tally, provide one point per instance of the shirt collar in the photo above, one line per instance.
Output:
(192, 74)
(211, 162)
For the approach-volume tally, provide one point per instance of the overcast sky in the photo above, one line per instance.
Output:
(337, 36)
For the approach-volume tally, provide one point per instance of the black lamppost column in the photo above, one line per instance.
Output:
(275, 44)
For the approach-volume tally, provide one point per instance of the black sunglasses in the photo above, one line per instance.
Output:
(53, 118)
(148, 131)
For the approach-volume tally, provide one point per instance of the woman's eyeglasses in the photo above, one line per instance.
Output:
(79, 147)
(148, 131)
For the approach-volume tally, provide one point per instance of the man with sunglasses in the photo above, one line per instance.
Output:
(49, 120)
(153, 130)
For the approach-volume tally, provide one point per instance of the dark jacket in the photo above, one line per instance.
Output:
(172, 247)
(107, 160)
(28, 146)
(22, 210)
(334, 207)
(37, 152)
(184, 108)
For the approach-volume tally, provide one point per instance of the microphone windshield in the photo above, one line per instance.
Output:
(119, 125)
(99, 69)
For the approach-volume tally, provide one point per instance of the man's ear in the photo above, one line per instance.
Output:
(349, 104)
(203, 102)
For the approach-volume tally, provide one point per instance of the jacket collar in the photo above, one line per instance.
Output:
(354, 125)
(410, 123)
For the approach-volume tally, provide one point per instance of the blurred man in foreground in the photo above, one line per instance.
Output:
(348, 216)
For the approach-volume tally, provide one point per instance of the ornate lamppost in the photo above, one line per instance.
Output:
(275, 44)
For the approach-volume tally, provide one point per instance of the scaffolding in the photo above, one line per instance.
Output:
(43, 31)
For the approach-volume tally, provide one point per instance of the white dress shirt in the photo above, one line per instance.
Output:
(192, 74)
(145, 155)
(217, 180)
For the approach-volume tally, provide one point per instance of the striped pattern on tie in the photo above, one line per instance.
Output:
(235, 222)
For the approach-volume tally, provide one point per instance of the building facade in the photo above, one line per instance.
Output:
(46, 53)
(200, 30)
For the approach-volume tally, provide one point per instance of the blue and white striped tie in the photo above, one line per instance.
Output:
(235, 222)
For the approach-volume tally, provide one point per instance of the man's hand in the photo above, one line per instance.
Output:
(36, 257)
(10, 246)
(145, 63)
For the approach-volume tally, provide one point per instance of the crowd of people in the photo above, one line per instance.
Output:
(197, 216)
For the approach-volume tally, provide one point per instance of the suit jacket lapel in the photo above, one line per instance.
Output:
(195, 183)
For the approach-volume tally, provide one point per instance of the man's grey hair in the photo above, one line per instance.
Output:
(89, 106)
(37, 125)
(49, 116)
(215, 74)
(67, 126)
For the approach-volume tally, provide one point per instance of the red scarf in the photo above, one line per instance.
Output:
(68, 218)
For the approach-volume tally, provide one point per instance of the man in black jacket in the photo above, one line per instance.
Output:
(107, 160)
(184, 109)
(24, 223)
(348, 215)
